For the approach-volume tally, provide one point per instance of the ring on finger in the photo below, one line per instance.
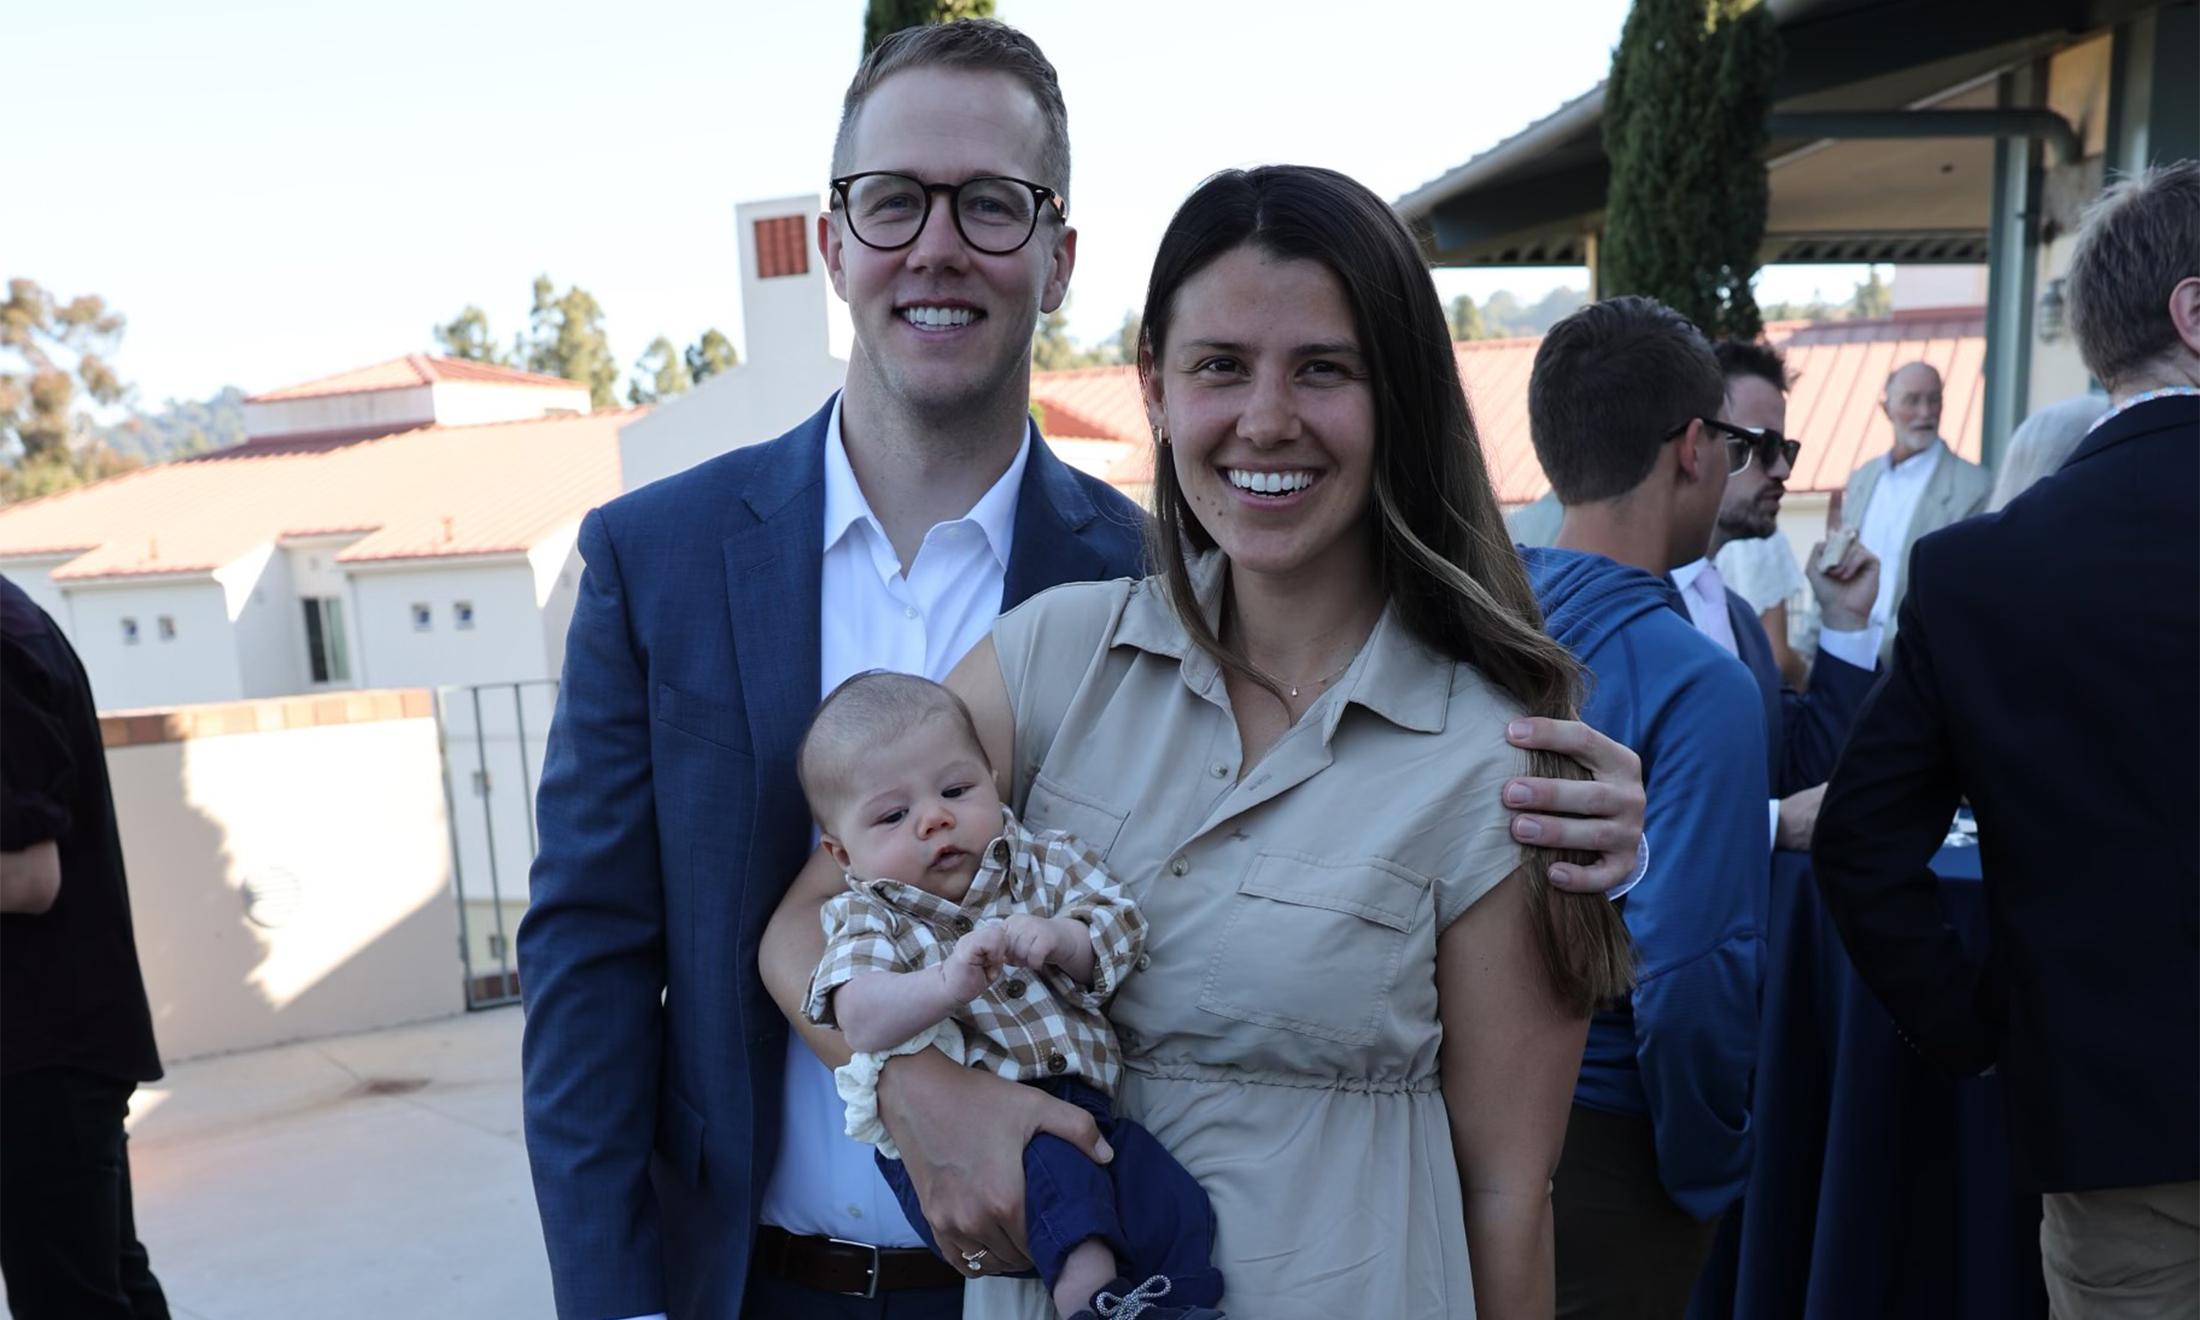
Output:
(975, 1260)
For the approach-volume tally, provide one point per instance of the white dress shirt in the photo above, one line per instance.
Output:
(1885, 529)
(1700, 585)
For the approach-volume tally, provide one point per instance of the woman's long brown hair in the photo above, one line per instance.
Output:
(1446, 562)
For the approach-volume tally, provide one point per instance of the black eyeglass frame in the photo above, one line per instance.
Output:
(1040, 196)
(1761, 445)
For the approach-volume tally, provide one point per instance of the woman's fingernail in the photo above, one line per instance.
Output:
(1527, 829)
(1516, 794)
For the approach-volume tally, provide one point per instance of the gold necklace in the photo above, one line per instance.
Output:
(1319, 683)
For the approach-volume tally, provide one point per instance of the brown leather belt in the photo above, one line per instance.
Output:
(856, 1269)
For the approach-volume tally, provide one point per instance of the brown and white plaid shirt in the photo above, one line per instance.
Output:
(1029, 1026)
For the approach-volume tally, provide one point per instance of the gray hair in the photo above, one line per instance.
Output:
(865, 712)
(2138, 240)
(978, 45)
(2043, 443)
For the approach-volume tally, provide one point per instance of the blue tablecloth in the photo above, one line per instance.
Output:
(1880, 1188)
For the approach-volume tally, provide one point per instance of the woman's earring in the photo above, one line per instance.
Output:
(1161, 436)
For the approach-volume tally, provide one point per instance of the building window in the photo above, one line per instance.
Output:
(462, 614)
(325, 640)
(781, 247)
(423, 617)
(129, 632)
(167, 627)
(496, 945)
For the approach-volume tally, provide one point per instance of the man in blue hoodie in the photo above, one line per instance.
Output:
(1620, 406)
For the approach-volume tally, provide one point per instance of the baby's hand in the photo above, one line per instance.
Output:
(1034, 941)
(977, 959)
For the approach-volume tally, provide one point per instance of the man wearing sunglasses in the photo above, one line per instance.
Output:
(1804, 730)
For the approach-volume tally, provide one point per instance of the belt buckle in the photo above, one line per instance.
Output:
(871, 1289)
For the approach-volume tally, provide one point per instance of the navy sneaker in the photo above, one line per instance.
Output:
(1120, 1301)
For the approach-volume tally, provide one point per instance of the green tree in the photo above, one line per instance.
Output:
(883, 18)
(1051, 347)
(1684, 127)
(1126, 339)
(1502, 315)
(54, 353)
(467, 336)
(709, 355)
(1872, 298)
(566, 338)
(660, 374)
(181, 428)
(1466, 319)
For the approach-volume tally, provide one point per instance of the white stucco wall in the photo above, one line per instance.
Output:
(34, 574)
(267, 624)
(744, 406)
(198, 664)
(505, 643)
(339, 412)
(556, 563)
(465, 403)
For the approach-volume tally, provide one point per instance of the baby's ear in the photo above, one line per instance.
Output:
(833, 850)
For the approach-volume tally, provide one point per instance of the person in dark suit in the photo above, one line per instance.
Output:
(76, 1034)
(688, 1152)
(1804, 730)
(2047, 669)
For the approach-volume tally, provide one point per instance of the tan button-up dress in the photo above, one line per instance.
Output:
(1280, 1036)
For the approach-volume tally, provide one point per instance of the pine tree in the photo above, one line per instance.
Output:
(467, 336)
(660, 374)
(883, 18)
(709, 355)
(1466, 319)
(1684, 127)
(1872, 299)
(566, 338)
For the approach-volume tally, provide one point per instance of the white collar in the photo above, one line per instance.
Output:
(1927, 459)
(1685, 576)
(845, 505)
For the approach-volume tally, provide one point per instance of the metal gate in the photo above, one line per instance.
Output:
(493, 736)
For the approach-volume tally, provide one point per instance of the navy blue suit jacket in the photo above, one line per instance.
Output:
(2047, 668)
(1804, 731)
(671, 823)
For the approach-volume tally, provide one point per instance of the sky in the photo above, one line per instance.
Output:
(271, 192)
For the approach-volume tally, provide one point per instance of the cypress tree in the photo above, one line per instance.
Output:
(1684, 127)
(883, 18)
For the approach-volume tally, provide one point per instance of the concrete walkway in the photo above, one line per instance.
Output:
(371, 1177)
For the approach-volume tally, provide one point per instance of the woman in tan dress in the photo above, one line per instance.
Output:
(1362, 1007)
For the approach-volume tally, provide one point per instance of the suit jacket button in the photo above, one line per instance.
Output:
(1056, 1063)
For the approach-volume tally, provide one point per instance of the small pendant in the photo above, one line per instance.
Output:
(1294, 694)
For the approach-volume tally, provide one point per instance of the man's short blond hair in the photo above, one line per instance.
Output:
(2140, 238)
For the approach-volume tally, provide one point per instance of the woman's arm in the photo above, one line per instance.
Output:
(977, 680)
(1511, 1053)
(793, 943)
(1794, 669)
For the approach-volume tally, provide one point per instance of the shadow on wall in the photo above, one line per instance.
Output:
(288, 882)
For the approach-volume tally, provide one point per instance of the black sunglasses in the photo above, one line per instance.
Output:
(994, 214)
(1744, 443)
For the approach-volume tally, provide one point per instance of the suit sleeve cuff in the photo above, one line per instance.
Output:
(1859, 647)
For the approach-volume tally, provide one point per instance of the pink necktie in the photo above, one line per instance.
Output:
(1711, 619)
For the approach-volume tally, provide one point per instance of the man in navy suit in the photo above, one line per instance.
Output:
(2047, 669)
(687, 1150)
(1804, 730)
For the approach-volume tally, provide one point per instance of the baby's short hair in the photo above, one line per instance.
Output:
(874, 707)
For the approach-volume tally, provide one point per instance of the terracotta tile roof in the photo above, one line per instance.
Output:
(408, 371)
(434, 492)
(1839, 369)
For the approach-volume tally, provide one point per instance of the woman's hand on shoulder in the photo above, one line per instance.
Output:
(1601, 815)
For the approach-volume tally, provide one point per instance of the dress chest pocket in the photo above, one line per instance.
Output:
(1052, 805)
(1312, 945)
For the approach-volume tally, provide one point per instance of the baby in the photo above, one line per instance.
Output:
(963, 931)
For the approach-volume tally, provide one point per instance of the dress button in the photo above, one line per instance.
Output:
(1013, 987)
(962, 925)
(1179, 866)
(1056, 1063)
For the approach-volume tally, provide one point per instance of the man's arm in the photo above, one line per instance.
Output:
(1815, 723)
(1698, 927)
(30, 878)
(1884, 816)
(37, 781)
(592, 966)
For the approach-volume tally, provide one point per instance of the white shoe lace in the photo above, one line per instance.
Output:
(1134, 1303)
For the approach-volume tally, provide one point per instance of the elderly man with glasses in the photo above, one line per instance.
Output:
(1804, 730)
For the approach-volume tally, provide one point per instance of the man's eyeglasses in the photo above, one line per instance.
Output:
(1744, 443)
(994, 215)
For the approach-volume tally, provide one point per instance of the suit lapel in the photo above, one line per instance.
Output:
(774, 569)
(1052, 511)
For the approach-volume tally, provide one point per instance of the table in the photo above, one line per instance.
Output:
(1879, 1187)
